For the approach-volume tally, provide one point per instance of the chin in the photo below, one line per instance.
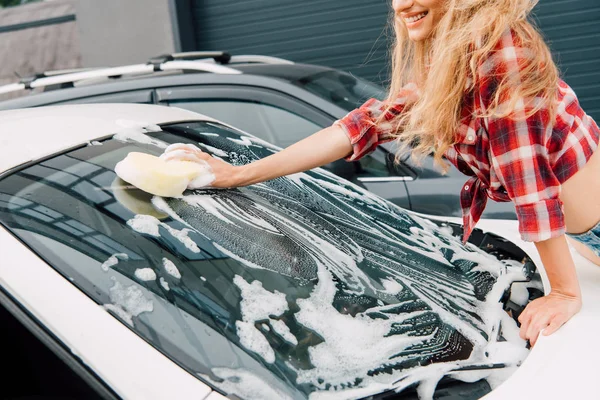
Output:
(418, 36)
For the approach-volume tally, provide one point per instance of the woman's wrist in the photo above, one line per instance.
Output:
(241, 176)
(572, 292)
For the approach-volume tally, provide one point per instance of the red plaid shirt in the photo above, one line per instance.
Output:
(524, 160)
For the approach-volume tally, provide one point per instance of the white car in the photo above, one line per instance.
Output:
(302, 287)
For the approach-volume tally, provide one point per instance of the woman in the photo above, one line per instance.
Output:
(474, 82)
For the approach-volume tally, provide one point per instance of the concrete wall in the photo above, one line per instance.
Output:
(30, 50)
(119, 32)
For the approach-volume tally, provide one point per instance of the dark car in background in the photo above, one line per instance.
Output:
(274, 99)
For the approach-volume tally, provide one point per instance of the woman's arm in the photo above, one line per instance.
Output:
(321, 148)
(352, 137)
(564, 300)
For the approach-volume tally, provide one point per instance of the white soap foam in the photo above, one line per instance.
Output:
(353, 346)
(258, 304)
(113, 260)
(214, 150)
(171, 268)
(229, 213)
(146, 224)
(392, 286)
(189, 152)
(340, 360)
(129, 300)
(124, 315)
(284, 331)
(243, 140)
(145, 274)
(182, 236)
(149, 225)
(135, 131)
(203, 180)
(164, 283)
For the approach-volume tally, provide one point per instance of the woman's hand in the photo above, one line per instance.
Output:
(226, 175)
(548, 313)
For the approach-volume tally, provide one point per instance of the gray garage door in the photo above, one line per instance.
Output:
(351, 35)
(342, 34)
(573, 31)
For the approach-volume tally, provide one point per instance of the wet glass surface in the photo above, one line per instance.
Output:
(342, 89)
(307, 283)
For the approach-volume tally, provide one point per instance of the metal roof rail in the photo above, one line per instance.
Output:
(219, 57)
(41, 80)
(68, 71)
(250, 58)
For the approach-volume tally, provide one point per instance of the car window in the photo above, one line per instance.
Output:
(345, 90)
(298, 285)
(278, 126)
(273, 124)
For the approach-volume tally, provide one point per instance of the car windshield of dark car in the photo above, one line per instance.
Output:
(342, 89)
(299, 286)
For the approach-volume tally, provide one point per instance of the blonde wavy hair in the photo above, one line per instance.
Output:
(441, 67)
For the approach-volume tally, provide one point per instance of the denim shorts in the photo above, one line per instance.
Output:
(590, 238)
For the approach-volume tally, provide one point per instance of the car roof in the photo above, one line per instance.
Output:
(29, 134)
(250, 74)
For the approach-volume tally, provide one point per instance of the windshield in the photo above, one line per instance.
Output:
(296, 287)
(342, 89)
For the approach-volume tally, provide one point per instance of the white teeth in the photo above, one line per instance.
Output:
(415, 18)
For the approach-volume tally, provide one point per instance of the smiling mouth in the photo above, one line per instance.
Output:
(415, 18)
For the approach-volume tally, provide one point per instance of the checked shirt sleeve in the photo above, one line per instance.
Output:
(361, 125)
(519, 153)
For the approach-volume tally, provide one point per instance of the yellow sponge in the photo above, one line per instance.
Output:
(156, 176)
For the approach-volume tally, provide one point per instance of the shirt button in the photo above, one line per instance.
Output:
(470, 138)
(467, 187)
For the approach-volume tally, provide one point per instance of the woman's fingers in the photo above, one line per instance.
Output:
(553, 327)
(184, 152)
(533, 331)
(183, 155)
(182, 146)
(524, 319)
(547, 313)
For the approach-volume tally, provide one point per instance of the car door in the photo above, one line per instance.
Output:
(283, 120)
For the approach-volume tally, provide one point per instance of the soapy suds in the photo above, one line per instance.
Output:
(419, 265)
(182, 236)
(164, 283)
(259, 304)
(146, 224)
(215, 151)
(145, 274)
(189, 152)
(128, 302)
(135, 131)
(149, 225)
(454, 304)
(113, 260)
(171, 268)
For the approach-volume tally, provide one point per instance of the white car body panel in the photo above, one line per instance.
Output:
(129, 365)
(565, 364)
(560, 366)
(29, 134)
